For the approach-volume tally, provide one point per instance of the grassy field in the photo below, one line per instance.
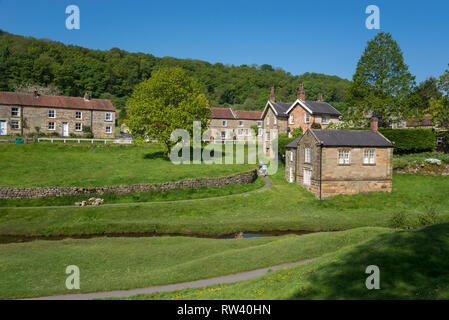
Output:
(38, 268)
(284, 206)
(46, 164)
(412, 264)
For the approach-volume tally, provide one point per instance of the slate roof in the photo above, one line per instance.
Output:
(248, 115)
(281, 107)
(222, 113)
(351, 138)
(25, 99)
(294, 143)
(319, 107)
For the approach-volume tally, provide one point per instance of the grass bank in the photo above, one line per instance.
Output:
(38, 268)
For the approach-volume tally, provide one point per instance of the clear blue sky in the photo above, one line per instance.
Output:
(298, 36)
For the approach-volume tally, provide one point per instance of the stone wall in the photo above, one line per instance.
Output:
(27, 193)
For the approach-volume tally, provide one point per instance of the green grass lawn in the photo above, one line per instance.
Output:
(413, 265)
(46, 164)
(38, 268)
(283, 206)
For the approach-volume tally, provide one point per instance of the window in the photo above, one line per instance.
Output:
(78, 115)
(240, 123)
(108, 129)
(275, 121)
(247, 132)
(291, 120)
(291, 155)
(325, 119)
(291, 174)
(343, 157)
(306, 118)
(15, 124)
(307, 176)
(224, 123)
(259, 123)
(78, 127)
(108, 116)
(51, 114)
(307, 154)
(223, 135)
(267, 136)
(260, 132)
(439, 141)
(51, 125)
(240, 132)
(369, 156)
(268, 121)
(15, 112)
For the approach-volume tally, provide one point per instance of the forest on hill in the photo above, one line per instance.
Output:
(113, 74)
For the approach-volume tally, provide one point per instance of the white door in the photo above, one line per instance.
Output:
(3, 128)
(291, 174)
(307, 176)
(65, 129)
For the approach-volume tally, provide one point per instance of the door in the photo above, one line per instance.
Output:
(65, 129)
(307, 176)
(3, 128)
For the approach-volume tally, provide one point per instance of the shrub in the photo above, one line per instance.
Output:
(297, 132)
(399, 163)
(315, 125)
(398, 220)
(73, 135)
(89, 135)
(429, 217)
(282, 141)
(410, 140)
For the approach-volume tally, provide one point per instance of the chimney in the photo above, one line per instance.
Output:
(86, 96)
(301, 92)
(36, 94)
(374, 123)
(272, 98)
(320, 97)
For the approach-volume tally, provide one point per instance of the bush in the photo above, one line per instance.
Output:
(89, 135)
(429, 217)
(410, 140)
(315, 125)
(398, 220)
(297, 132)
(73, 135)
(282, 141)
(399, 163)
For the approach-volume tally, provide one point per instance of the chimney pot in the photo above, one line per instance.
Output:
(301, 92)
(320, 97)
(374, 123)
(86, 96)
(36, 93)
(272, 97)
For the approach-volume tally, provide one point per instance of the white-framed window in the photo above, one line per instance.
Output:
(268, 120)
(325, 119)
(291, 174)
(369, 156)
(306, 117)
(307, 153)
(291, 119)
(307, 176)
(439, 141)
(108, 116)
(223, 135)
(247, 132)
(51, 113)
(240, 132)
(259, 123)
(224, 123)
(15, 124)
(267, 136)
(78, 115)
(51, 125)
(15, 112)
(291, 155)
(260, 132)
(275, 121)
(240, 123)
(78, 126)
(344, 157)
(108, 129)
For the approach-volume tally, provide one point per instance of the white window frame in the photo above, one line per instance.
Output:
(325, 119)
(267, 135)
(106, 129)
(223, 137)
(275, 121)
(54, 114)
(240, 132)
(307, 176)
(268, 120)
(307, 154)
(16, 111)
(259, 132)
(369, 156)
(240, 123)
(224, 123)
(306, 117)
(291, 174)
(344, 157)
(11, 125)
(291, 156)
(54, 126)
(81, 126)
(259, 123)
(291, 119)
(76, 115)
(108, 116)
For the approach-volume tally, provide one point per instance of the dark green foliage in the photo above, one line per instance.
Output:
(282, 141)
(113, 74)
(410, 140)
(297, 132)
(316, 125)
(429, 217)
(398, 220)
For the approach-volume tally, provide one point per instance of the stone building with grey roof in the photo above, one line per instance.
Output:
(332, 162)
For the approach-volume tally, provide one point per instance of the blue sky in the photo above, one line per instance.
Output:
(298, 36)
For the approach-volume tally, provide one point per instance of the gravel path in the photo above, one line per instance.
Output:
(176, 286)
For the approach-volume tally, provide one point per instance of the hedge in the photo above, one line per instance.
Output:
(410, 140)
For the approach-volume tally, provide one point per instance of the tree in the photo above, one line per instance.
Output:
(439, 109)
(167, 101)
(382, 82)
(297, 132)
(443, 83)
(427, 90)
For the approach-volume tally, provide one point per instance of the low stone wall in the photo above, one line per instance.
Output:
(28, 193)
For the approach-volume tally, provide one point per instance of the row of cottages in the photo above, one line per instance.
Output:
(331, 162)
(286, 116)
(22, 113)
(230, 124)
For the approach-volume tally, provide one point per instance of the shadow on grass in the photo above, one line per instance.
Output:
(413, 265)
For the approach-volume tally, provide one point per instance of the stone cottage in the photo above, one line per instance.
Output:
(22, 113)
(332, 162)
(230, 124)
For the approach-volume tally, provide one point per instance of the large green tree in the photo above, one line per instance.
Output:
(167, 101)
(439, 106)
(382, 82)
